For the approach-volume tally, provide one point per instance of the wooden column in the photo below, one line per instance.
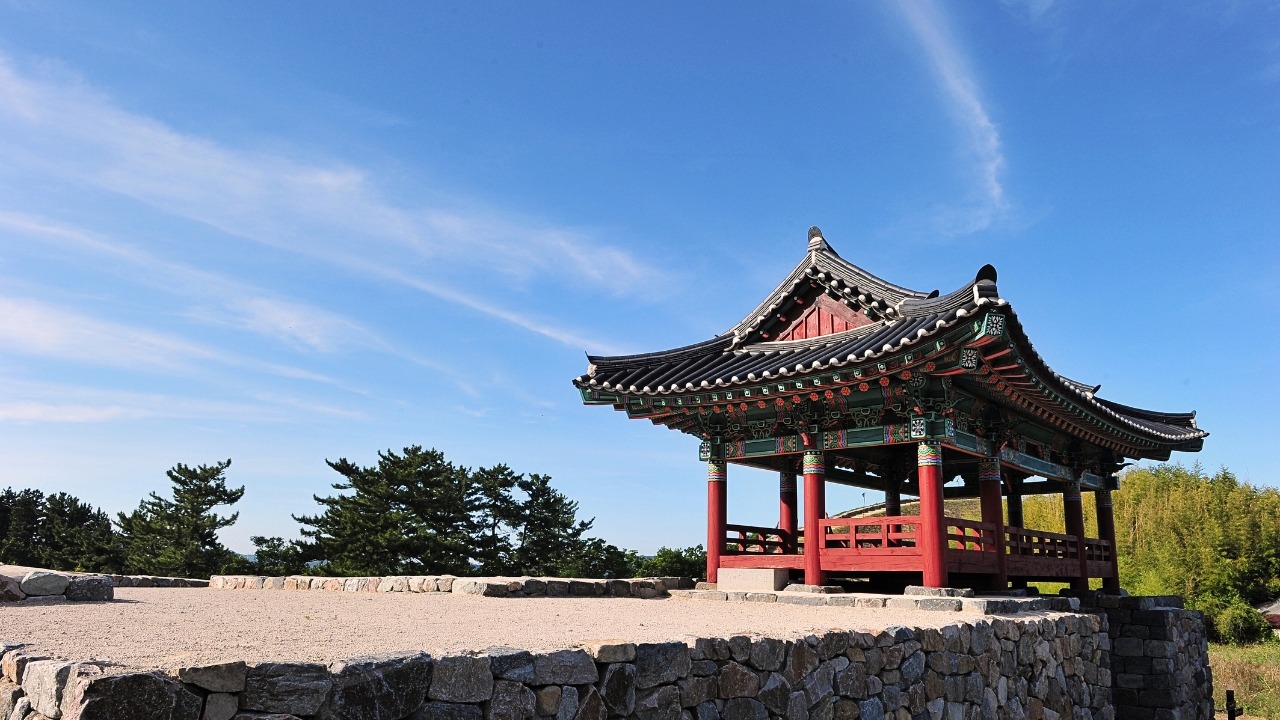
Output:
(815, 508)
(787, 507)
(1074, 516)
(1014, 501)
(717, 515)
(993, 512)
(892, 507)
(1107, 531)
(932, 533)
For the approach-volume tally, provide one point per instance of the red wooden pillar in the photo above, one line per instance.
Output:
(993, 512)
(1074, 516)
(933, 529)
(717, 512)
(1107, 531)
(815, 508)
(787, 518)
(1015, 516)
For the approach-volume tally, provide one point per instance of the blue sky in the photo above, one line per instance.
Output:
(288, 232)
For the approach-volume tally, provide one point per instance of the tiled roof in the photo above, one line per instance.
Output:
(741, 356)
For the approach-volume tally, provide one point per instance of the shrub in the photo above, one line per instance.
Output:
(1232, 620)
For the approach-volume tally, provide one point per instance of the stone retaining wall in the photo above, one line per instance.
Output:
(1048, 668)
(53, 586)
(489, 587)
(1159, 657)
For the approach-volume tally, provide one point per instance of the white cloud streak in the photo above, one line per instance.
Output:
(54, 124)
(982, 139)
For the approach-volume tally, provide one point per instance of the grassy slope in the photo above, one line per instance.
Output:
(1253, 672)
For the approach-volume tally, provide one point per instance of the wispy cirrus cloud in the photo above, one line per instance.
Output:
(987, 203)
(52, 122)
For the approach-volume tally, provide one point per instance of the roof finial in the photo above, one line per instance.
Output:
(816, 241)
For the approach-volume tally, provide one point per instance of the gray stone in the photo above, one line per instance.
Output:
(938, 592)
(468, 586)
(591, 707)
(745, 709)
(383, 687)
(568, 703)
(618, 688)
(21, 709)
(9, 694)
(610, 651)
(871, 709)
(462, 679)
(767, 653)
(737, 681)
(220, 706)
(510, 701)
(913, 667)
(547, 701)
(852, 681)
(564, 667)
(740, 647)
(823, 710)
(45, 582)
(263, 716)
(140, 696)
(660, 703)
(90, 588)
(776, 694)
(293, 688)
(43, 681)
(15, 663)
(695, 690)
(797, 707)
(510, 664)
(447, 711)
(801, 660)
(706, 711)
(222, 678)
(659, 663)
(10, 591)
(703, 667)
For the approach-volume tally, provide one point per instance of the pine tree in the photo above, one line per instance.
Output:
(78, 537)
(180, 536)
(407, 516)
(549, 535)
(19, 525)
(495, 515)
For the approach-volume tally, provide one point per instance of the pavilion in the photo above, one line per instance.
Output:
(842, 377)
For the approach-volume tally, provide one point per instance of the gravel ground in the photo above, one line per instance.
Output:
(164, 628)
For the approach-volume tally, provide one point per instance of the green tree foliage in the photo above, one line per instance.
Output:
(406, 516)
(57, 532)
(19, 524)
(415, 513)
(180, 536)
(1180, 531)
(669, 562)
(273, 556)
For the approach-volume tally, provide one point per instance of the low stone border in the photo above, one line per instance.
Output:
(644, 588)
(52, 586)
(1048, 668)
(985, 606)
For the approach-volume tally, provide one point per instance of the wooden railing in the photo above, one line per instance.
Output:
(1096, 550)
(1042, 544)
(750, 539)
(871, 536)
(971, 535)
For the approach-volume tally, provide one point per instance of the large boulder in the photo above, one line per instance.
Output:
(510, 663)
(44, 681)
(564, 667)
(9, 694)
(293, 688)
(385, 687)
(661, 663)
(10, 590)
(90, 588)
(510, 701)
(221, 678)
(45, 582)
(143, 696)
(462, 679)
(220, 706)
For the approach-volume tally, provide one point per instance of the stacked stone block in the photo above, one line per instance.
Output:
(1159, 657)
(1048, 668)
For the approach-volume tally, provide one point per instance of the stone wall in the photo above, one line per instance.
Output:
(1048, 668)
(1159, 657)
(486, 586)
(52, 586)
